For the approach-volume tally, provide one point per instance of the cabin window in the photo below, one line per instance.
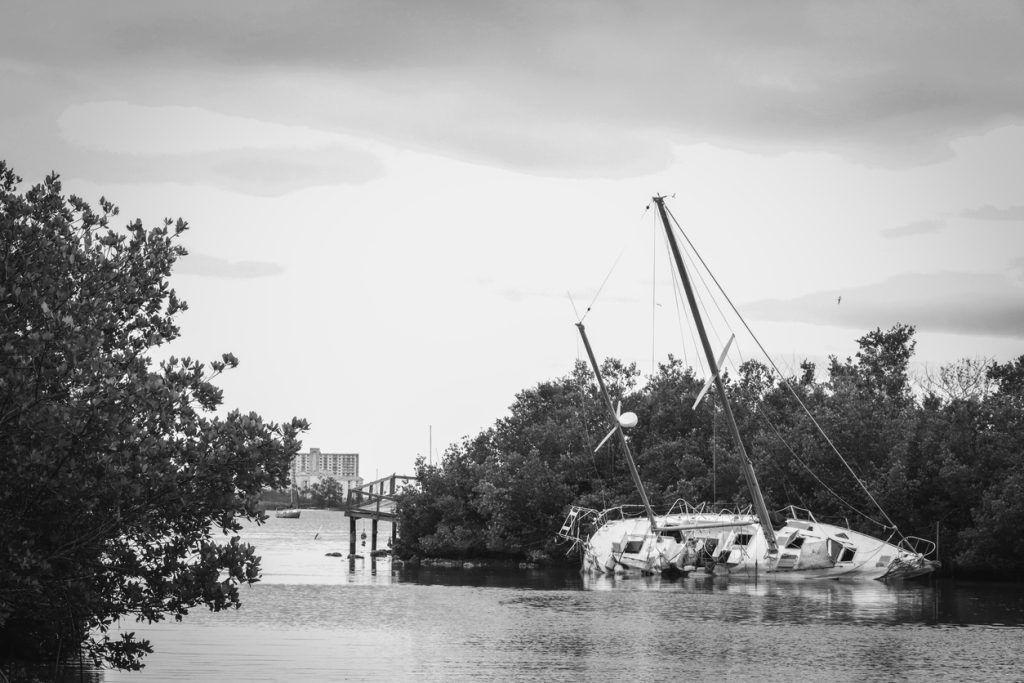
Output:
(848, 554)
(742, 539)
(786, 561)
(842, 534)
(796, 542)
(835, 548)
(633, 546)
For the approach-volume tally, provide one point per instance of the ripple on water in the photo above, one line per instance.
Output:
(325, 619)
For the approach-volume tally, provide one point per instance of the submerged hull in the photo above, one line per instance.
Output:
(735, 544)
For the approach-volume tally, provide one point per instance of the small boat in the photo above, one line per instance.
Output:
(627, 539)
(292, 512)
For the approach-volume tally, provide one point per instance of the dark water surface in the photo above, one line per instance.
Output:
(317, 618)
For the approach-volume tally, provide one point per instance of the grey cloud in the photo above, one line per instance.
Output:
(960, 303)
(914, 228)
(32, 142)
(255, 172)
(575, 88)
(211, 266)
(1016, 271)
(991, 213)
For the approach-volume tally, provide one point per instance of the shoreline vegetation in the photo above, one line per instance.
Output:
(124, 483)
(319, 496)
(943, 455)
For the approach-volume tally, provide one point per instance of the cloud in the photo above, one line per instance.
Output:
(991, 213)
(254, 172)
(914, 228)
(126, 128)
(264, 173)
(959, 303)
(117, 142)
(212, 266)
(1016, 271)
(562, 87)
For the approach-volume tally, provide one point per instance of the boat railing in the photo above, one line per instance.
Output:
(580, 522)
(917, 545)
(682, 507)
(802, 514)
(576, 526)
(620, 512)
(679, 507)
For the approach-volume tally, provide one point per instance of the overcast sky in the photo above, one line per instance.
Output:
(390, 201)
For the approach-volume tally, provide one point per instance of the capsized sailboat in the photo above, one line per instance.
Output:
(738, 542)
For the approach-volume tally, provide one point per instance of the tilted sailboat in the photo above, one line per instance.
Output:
(742, 542)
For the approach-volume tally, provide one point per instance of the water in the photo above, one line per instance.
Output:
(318, 618)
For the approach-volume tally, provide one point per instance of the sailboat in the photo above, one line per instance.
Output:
(731, 541)
(292, 512)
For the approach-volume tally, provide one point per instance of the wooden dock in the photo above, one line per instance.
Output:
(375, 501)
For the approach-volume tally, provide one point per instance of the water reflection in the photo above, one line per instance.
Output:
(322, 617)
(801, 601)
(73, 671)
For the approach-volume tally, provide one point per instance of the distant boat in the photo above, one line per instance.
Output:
(293, 512)
(623, 540)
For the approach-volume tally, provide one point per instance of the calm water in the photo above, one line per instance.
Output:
(317, 618)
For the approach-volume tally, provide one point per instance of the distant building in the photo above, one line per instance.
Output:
(315, 466)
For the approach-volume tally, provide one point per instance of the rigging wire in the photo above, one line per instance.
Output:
(787, 384)
(694, 269)
(707, 288)
(611, 270)
(714, 449)
(683, 313)
(603, 283)
(580, 319)
(710, 321)
(706, 293)
(767, 420)
(654, 297)
(576, 313)
(681, 317)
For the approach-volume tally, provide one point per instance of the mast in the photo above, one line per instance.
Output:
(618, 428)
(747, 467)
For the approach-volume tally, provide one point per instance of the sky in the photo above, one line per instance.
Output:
(398, 209)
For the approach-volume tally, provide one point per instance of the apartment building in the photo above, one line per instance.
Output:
(315, 466)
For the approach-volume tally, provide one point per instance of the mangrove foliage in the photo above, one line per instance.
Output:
(121, 485)
(943, 455)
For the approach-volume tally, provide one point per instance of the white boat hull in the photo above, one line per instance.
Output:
(734, 544)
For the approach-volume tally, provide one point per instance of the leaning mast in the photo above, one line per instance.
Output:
(613, 414)
(746, 466)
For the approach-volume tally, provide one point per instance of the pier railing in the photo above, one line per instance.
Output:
(375, 501)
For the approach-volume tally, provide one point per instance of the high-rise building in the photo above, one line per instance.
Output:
(315, 466)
